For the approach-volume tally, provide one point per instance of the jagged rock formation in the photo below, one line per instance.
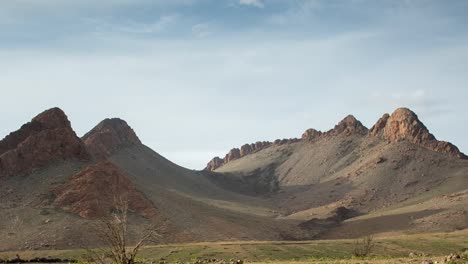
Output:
(109, 136)
(404, 124)
(215, 163)
(263, 193)
(47, 138)
(96, 190)
(233, 154)
(311, 134)
(245, 150)
(379, 127)
(348, 126)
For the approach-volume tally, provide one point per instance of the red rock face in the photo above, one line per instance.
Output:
(379, 127)
(311, 134)
(348, 126)
(404, 124)
(232, 155)
(93, 192)
(246, 149)
(46, 139)
(215, 163)
(108, 137)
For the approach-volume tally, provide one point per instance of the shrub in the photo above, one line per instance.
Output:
(364, 246)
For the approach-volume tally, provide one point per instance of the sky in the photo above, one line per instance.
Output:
(195, 78)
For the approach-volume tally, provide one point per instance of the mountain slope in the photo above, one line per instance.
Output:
(398, 163)
(395, 177)
(56, 202)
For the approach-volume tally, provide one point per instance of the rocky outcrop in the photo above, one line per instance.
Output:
(233, 154)
(348, 126)
(215, 163)
(108, 137)
(97, 190)
(379, 127)
(46, 139)
(245, 150)
(404, 124)
(311, 135)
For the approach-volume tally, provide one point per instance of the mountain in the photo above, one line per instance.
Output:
(72, 182)
(393, 178)
(46, 139)
(109, 136)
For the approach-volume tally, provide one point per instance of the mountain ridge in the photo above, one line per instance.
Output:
(403, 124)
(290, 189)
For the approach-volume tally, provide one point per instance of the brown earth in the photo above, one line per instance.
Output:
(98, 189)
(393, 166)
(395, 178)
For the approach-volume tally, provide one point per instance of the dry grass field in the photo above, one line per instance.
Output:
(391, 249)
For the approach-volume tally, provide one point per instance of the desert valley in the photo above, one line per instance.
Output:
(393, 179)
(233, 131)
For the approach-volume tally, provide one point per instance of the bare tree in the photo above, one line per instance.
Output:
(112, 231)
(16, 225)
(364, 246)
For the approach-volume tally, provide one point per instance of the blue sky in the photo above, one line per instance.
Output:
(195, 78)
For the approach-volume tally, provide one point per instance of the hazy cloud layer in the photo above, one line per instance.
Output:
(196, 78)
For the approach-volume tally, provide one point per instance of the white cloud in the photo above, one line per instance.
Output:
(162, 24)
(257, 3)
(275, 86)
(202, 30)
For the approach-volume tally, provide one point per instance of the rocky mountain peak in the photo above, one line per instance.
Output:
(348, 126)
(379, 127)
(48, 138)
(53, 118)
(311, 134)
(109, 136)
(404, 124)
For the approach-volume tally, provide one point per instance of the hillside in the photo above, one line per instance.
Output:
(54, 204)
(387, 173)
(393, 178)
